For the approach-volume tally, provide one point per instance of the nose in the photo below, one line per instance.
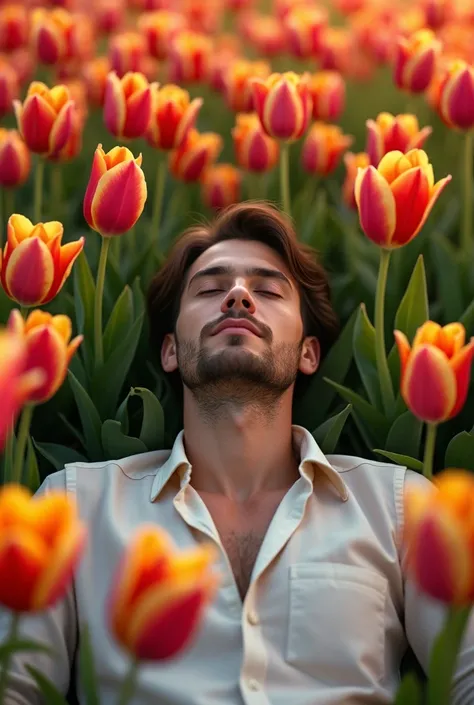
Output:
(238, 298)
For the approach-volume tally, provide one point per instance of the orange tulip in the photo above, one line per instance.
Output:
(41, 542)
(159, 595)
(457, 96)
(58, 35)
(189, 57)
(94, 73)
(14, 25)
(337, 51)
(221, 186)
(435, 371)
(160, 28)
(127, 52)
(254, 149)
(389, 132)
(328, 92)
(284, 7)
(395, 199)
(265, 33)
(15, 160)
(23, 63)
(323, 148)
(49, 348)
(205, 17)
(237, 82)
(303, 26)
(116, 178)
(73, 146)
(34, 265)
(438, 12)
(415, 61)
(9, 87)
(46, 118)
(227, 49)
(438, 537)
(127, 105)
(353, 163)
(109, 16)
(195, 155)
(173, 114)
(283, 104)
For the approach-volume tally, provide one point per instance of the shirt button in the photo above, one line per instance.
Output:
(252, 617)
(254, 684)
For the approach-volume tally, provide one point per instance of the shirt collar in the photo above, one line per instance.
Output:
(312, 459)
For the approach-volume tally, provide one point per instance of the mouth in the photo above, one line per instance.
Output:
(237, 327)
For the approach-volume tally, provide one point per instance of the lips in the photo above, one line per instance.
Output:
(236, 323)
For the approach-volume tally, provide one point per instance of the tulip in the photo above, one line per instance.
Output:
(159, 595)
(221, 186)
(328, 92)
(323, 148)
(160, 28)
(353, 162)
(15, 160)
(237, 82)
(438, 12)
(127, 52)
(303, 26)
(173, 114)
(109, 16)
(94, 73)
(189, 57)
(13, 27)
(254, 149)
(127, 105)
(21, 60)
(395, 199)
(337, 51)
(265, 33)
(195, 155)
(415, 61)
(73, 146)
(227, 51)
(205, 17)
(389, 133)
(9, 87)
(284, 7)
(51, 31)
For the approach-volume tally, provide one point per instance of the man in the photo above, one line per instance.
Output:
(314, 607)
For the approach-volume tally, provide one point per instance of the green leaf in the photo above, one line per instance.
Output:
(312, 408)
(116, 444)
(460, 452)
(22, 645)
(84, 296)
(405, 435)
(87, 668)
(364, 355)
(413, 310)
(31, 478)
(122, 414)
(72, 429)
(444, 655)
(152, 432)
(467, 319)
(50, 693)
(375, 423)
(400, 459)
(447, 266)
(119, 322)
(410, 691)
(59, 455)
(327, 434)
(90, 418)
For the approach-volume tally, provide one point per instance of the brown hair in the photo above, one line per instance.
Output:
(245, 221)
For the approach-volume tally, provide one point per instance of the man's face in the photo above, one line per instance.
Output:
(240, 324)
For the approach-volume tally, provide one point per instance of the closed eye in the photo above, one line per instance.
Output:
(268, 293)
(210, 291)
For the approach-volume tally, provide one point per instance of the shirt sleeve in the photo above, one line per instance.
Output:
(424, 619)
(55, 627)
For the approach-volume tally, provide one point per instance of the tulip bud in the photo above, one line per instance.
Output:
(337, 51)
(172, 116)
(438, 12)
(160, 28)
(303, 26)
(457, 96)
(238, 79)
(415, 61)
(389, 133)
(42, 542)
(189, 57)
(15, 160)
(283, 104)
(328, 92)
(353, 163)
(435, 371)
(116, 177)
(323, 148)
(127, 52)
(180, 585)
(195, 155)
(221, 186)
(265, 33)
(51, 35)
(222, 58)
(48, 348)
(9, 87)
(94, 73)
(127, 105)
(73, 146)
(395, 199)
(13, 27)
(22, 62)
(46, 118)
(254, 149)
(109, 16)
(205, 17)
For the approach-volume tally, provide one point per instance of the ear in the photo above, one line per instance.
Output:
(169, 358)
(310, 356)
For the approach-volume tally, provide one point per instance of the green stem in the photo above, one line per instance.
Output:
(129, 683)
(386, 387)
(56, 190)
(8, 457)
(285, 178)
(24, 312)
(98, 304)
(430, 442)
(38, 202)
(158, 200)
(23, 431)
(11, 639)
(444, 655)
(466, 234)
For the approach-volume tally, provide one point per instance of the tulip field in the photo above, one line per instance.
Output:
(123, 122)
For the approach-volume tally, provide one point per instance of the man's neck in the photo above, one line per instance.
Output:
(245, 451)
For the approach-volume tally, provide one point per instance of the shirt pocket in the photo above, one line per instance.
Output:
(336, 628)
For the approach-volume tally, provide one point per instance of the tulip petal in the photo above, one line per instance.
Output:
(283, 114)
(376, 206)
(404, 349)
(73, 346)
(18, 229)
(99, 168)
(37, 121)
(119, 199)
(29, 272)
(67, 256)
(259, 93)
(457, 100)
(436, 192)
(46, 350)
(429, 386)
(461, 365)
(419, 70)
(419, 139)
(256, 151)
(62, 129)
(375, 142)
(16, 323)
(138, 114)
(23, 558)
(186, 123)
(411, 193)
(114, 105)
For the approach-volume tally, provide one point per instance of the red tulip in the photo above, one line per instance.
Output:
(15, 160)
(127, 105)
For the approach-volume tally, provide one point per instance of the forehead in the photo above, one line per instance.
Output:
(240, 255)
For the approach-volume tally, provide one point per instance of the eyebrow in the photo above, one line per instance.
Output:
(263, 272)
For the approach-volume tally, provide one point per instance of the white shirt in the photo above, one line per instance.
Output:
(328, 613)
